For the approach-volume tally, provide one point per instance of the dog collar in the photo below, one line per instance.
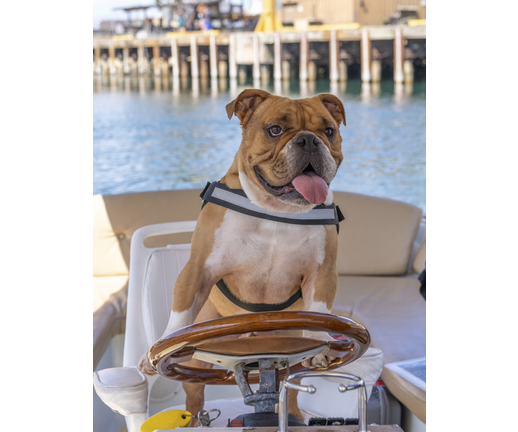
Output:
(236, 199)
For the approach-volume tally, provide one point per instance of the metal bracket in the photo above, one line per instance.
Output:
(267, 397)
(358, 384)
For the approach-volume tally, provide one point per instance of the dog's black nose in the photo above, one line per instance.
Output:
(308, 142)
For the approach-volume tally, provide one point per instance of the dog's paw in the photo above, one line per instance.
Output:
(320, 360)
(144, 366)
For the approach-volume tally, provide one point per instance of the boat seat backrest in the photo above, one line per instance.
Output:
(377, 235)
(117, 217)
(376, 238)
(153, 273)
(163, 268)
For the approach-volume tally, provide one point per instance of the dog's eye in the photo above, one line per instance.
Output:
(275, 130)
(329, 132)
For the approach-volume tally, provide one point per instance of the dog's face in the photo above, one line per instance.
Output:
(291, 149)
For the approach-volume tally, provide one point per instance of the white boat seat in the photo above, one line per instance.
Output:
(385, 305)
(153, 272)
(115, 219)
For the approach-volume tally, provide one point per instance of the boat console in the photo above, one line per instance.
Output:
(274, 362)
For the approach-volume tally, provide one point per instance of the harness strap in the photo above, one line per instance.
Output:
(236, 199)
(257, 307)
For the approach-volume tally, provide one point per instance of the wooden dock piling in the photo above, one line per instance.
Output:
(286, 70)
(142, 67)
(354, 51)
(376, 71)
(213, 57)
(365, 56)
(204, 67)
(164, 68)
(156, 56)
(256, 68)
(312, 71)
(277, 53)
(175, 67)
(342, 71)
(408, 71)
(222, 69)
(97, 59)
(304, 48)
(184, 68)
(194, 58)
(111, 59)
(265, 74)
(398, 56)
(333, 57)
(232, 64)
(242, 75)
(125, 59)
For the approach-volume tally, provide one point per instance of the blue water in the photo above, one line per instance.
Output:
(156, 135)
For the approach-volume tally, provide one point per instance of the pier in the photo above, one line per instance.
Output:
(334, 52)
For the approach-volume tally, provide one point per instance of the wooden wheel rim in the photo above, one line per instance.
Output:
(180, 345)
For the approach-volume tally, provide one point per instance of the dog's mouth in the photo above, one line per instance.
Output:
(308, 184)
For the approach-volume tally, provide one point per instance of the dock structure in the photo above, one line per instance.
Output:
(335, 52)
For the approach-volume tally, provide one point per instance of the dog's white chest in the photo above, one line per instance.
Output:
(265, 258)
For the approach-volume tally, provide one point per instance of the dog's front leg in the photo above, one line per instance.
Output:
(195, 397)
(190, 293)
(319, 292)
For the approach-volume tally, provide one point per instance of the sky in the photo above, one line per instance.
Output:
(103, 9)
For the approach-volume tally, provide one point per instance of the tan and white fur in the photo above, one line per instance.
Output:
(264, 261)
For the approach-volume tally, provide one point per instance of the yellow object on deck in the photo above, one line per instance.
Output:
(269, 21)
(166, 420)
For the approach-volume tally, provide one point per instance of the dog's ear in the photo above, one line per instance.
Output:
(334, 106)
(245, 103)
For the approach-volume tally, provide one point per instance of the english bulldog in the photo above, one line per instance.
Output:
(289, 154)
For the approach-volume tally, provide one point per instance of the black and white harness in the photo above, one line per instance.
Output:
(236, 200)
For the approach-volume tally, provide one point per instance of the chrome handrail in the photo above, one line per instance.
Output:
(286, 384)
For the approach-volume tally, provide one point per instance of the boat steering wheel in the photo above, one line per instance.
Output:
(204, 341)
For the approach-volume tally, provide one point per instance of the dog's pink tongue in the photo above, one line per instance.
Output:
(311, 186)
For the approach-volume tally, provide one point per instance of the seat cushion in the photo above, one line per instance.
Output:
(162, 268)
(377, 235)
(123, 389)
(110, 296)
(391, 308)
